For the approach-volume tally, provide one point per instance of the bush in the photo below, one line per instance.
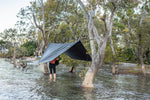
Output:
(30, 47)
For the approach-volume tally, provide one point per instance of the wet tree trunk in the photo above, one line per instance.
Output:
(46, 71)
(42, 29)
(97, 55)
(44, 38)
(114, 66)
(141, 55)
(96, 64)
(140, 48)
(88, 80)
(114, 58)
(72, 69)
(74, 32)
(14, 55)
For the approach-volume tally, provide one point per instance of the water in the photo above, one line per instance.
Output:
(31, 84)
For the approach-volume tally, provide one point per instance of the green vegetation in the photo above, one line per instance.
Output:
(66, 22)
(30, 48)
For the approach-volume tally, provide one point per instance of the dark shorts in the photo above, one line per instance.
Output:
(52, 67)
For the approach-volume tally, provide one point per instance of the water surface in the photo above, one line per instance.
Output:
(31, 84)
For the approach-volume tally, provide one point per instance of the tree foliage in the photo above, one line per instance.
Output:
(66, 22)
(30, 47)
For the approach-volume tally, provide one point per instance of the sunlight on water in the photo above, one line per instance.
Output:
(32, 84)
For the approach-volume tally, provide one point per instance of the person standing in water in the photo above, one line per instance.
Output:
(52, 66)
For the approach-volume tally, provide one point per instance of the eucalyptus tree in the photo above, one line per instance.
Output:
(72, 19)
(125, 26)
(42, 29)
(11, 35)
(94, 36)
(131, 19)
(66, 22)
(140, 47)
(25, 24)
(38, 19)
(51, 13)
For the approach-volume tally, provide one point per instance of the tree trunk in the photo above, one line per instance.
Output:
(42, 29)
(97, 55)
(140, 41)
(44, 37)
(96, 64)
(141, 57)
(114, 58)
(143, 69)
(114, 68)
(14, 55)
(88, 80)
(72, 69)
(46, 71)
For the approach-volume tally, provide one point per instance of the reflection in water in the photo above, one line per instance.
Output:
(66, 87)
(88, 93)
(123, 87)
(33, 85)
(143, 84)
(15, 83)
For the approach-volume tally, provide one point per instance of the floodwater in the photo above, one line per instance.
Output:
(32, 84)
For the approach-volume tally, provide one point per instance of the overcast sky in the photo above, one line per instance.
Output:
(8, 12)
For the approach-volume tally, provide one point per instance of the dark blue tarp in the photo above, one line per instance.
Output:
(74, 50)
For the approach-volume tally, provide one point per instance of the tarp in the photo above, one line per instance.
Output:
(74, 50)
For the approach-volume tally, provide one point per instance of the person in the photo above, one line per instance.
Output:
(52, 66)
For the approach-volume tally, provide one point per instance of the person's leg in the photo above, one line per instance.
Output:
(50, 76)
(50, 68)
(54, 77)
(54, 69)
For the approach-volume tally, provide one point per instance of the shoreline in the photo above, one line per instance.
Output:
(122, 68)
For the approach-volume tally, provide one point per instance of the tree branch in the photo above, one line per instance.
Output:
(83, 7)
(36, 23)
(72, 31)
(143, 13)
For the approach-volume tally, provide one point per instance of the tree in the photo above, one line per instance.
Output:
(47, 21)
(140, 47)
(132, 27)
(97, 55)
(30, 47)
(74, 20)
(11, 36)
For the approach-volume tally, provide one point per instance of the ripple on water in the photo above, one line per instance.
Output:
(31, 84)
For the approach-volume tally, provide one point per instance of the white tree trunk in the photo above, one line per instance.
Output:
(140, 42)
(114, 58)
(42, 29)
(97, 55)
(44, 38)
(88, 80)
